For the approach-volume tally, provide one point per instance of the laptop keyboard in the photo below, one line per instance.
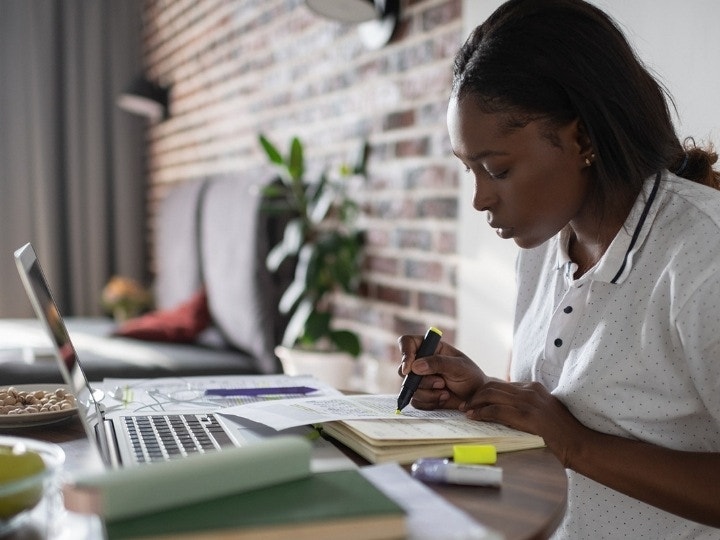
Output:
(163, 437)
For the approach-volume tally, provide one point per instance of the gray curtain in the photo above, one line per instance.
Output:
(72, 175)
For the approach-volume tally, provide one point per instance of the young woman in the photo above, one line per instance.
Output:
(616, 354)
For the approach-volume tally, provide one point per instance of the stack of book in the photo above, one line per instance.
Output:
(262, 491)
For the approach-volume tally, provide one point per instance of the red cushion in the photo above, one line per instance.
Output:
(182, 324)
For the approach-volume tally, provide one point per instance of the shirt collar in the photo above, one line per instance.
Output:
(615, 264)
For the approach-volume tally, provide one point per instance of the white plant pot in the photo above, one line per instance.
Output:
(337, 369)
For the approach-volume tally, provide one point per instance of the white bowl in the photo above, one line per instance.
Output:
(39, 492)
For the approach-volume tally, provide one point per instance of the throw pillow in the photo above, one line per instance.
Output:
(181, 324)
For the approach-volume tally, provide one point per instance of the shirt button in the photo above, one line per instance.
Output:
(558, 342)
(568, 309)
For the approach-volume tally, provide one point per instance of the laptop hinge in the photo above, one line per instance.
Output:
(108, 443)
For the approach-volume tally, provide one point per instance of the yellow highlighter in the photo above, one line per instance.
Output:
(412, 380)
(475, 454)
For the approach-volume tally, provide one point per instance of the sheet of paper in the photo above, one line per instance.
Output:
(429, 516)
(456, 427)
(297, 412)
(188, 393)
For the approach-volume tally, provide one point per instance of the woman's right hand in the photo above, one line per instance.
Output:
(449, 377)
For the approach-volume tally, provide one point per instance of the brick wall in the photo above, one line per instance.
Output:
(241, 67)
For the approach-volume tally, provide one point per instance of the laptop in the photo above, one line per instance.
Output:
(130, 438)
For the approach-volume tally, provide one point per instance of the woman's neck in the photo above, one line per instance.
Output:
(591, 235)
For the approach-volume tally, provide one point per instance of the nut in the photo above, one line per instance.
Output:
(13, 401)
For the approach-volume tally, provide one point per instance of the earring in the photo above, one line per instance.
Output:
(589, 159)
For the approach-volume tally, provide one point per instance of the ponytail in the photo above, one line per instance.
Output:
(696, 164)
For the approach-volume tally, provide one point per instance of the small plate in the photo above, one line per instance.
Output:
(40, 418)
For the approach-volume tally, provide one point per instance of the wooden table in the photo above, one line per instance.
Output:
(529, 505)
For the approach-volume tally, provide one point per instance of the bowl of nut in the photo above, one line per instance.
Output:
(29, 491)
(34, 405)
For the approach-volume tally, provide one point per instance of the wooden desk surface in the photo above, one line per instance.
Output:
(529, 505)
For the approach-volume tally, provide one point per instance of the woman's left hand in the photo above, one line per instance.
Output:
(528, 407)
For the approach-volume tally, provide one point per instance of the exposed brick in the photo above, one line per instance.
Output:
(381, 265)
(242, 67)
(412, 147)
(441, 14)
(432, 114)
(399, 120)
(392, 208)
(432, 177)
(377, 238)
(384, 351)
(437, 303)
(414, 238)
(439, 207)
(447, 242)
(404, 326)
(424, 270)
(416, 55)
(392, 295)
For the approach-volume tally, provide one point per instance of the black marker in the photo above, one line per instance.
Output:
(412, 380)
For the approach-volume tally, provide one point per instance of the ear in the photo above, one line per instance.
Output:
(576, 139)
(583, 143)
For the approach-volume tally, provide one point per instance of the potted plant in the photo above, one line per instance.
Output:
(326, 247)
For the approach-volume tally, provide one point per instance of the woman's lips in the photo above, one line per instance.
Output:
(502, 232)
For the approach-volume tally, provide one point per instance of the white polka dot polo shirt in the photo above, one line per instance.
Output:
(632, 347)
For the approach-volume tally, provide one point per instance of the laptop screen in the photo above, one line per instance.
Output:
(47, 311)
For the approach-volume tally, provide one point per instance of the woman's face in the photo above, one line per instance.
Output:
(530, 187)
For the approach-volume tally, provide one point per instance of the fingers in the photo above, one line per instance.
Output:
(524, 406)
(408, 347)
(449, 377)
(433, 394)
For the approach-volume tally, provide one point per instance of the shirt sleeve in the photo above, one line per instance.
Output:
(698, 326)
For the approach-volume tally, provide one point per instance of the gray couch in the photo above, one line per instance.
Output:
(210, 232)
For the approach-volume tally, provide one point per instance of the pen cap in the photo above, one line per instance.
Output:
(480, 454)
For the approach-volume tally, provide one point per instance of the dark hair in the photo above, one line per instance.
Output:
(559, 60)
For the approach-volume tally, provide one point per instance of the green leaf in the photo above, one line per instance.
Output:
(291, 297)
(316, 190)
(317, 325)
(273, 191)
(296, 163)
(296, 325)
(349, 211)
(290, 245)
(321, 206)
(346, 341)
(304, 268)
(272, 152)
(361, 163)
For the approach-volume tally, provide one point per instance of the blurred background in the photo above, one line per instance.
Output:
(80, 177)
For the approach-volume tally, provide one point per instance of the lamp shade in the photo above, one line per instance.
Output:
(348, 11)
(146, 98)
(377, 18)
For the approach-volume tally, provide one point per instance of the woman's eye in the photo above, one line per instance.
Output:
(498, 176)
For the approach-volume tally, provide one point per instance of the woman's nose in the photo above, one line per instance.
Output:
(483, 195)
